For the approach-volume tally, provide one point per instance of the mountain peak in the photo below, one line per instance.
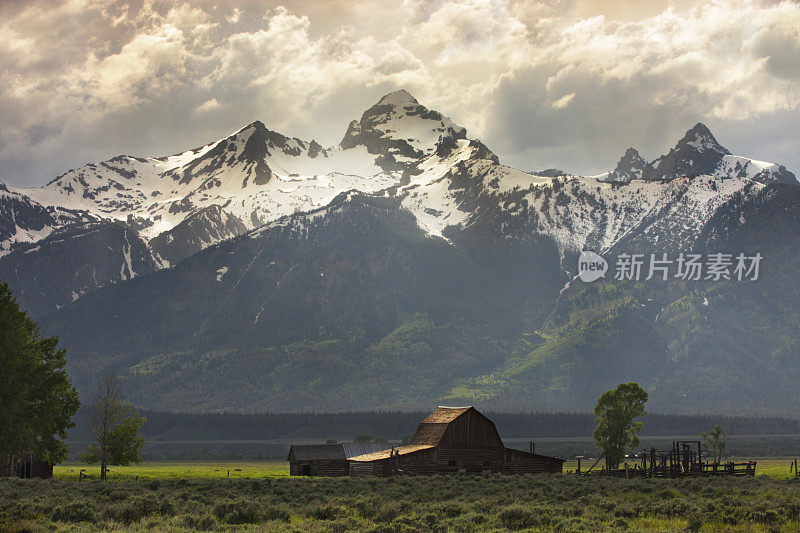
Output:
(630, 167)
(700, 139)
(631, 153)
(257, 125)
(698, 152)
(400, 98)
(398, 129)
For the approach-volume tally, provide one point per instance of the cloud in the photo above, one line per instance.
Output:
(551, 83)
(564, 101)
(207, 107)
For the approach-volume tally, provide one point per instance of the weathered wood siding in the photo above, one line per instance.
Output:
(451, 461)
(471, 430)
(519, 462)
(370, 468)
(473, 460)
(333, 467)
(32, 468)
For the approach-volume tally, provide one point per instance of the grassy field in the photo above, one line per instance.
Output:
(774, 468)
(200, 496)
(178, 470)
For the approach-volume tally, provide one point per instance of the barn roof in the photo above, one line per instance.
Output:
(445, 415)
(316, 452)
(353, 449)
(538, 456)
(328, 452)
(432, 428)
(385, 454)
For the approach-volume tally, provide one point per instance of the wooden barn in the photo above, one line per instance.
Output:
(328, 459)
(452, 439)
(28, 467)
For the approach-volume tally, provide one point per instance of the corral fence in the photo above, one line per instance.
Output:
(684, 459)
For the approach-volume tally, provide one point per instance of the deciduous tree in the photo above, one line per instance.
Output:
(715, 441)
(115, 427)
(617, 428)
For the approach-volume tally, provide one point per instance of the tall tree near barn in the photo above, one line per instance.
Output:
(115, 428)
(37, 399)
(617, 428)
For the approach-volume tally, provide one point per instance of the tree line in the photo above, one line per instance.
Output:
(396, 424)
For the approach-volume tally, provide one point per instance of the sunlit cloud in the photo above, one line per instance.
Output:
(551, 83)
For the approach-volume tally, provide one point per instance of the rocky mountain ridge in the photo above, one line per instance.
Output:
(408, 250)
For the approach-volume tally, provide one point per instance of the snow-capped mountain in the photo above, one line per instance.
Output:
(23, 220)
(407, 250)
(630, 167)
(699, 153)
(400, 131)
(181, 204)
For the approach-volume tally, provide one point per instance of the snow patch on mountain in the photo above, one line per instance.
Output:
(163, 192)
(256, 177)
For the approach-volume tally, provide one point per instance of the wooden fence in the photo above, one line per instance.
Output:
(685, 459)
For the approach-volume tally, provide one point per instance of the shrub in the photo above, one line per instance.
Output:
(73, 512)
(204, 522)
(136, 509)
(365, 508)
(328, 512)
(695, 523)
(239, 512)
(387, 512)
(23, 526)
(516, 517)
(450, 510)
(272, 512)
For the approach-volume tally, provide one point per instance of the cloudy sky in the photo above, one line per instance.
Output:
(557, 83)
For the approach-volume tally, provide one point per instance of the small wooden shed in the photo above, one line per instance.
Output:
(449, 440)
(28, 467)
(328, 459)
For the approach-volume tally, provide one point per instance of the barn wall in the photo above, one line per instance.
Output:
(370, 468)
(451, 461)
(32, 468)
(332, 467)
(471, 430)
(41, 469)
(517, 461)
(473, 460)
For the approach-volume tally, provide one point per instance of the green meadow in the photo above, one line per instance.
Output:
(177, 470)
(253, 496)
(774, 468)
